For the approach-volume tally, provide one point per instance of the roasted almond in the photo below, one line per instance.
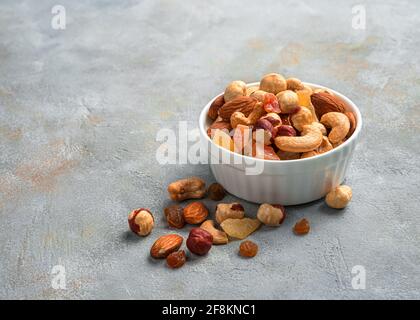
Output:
(243, 104)
(325, 102)
(165, 245)
(215, 106)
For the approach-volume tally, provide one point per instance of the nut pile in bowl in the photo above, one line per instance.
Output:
(228, 223)
(290, 119)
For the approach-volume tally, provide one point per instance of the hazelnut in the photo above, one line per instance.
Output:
(141, 221)
(271, 215)
(235, 89)
(175, 216)
(229, 210)
(274, 119)
(195, 212)
(294, 84)
(259, 95)
(288, 101)
(216, 192)
(273, 83)
(339, 197)
(199, 241)
(302, 118)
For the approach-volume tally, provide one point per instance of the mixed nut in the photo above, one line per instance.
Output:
(295, 121)
(230, 217)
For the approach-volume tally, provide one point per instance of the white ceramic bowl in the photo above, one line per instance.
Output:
(287, 182)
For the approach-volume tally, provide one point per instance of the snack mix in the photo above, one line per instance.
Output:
(292, 121)
(281, 119)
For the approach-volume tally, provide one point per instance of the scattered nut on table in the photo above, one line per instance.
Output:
(195, 213)
(165, 245)
(141, 221)
(229, 210)
(219, 237)
(339, 197)
(271, 214)
(199, 241)
(190, 188)
(216, 192)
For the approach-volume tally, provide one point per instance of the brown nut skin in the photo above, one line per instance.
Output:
(352, 120)
(271, 214)
(273, 83)
(141, 221)
(229, 211)
(195, 213)
(176, 259)
(165, 245)
(235, 89)
(199, 241)
(325, 102)
(339, 197)
(213, 112)
(241, 104)
(189, 188)
(175, 216)
(218, 125)
(216, 192)
(268, 130)
(248, 249)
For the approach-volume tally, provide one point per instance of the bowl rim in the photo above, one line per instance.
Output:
(359, 122)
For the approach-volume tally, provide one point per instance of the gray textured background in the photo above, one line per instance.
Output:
(79, 113)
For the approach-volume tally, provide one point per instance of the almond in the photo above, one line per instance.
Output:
(165, 245)
(215, 106)
(222, 125)
(195, 212)
(243, 104)
(325, 102)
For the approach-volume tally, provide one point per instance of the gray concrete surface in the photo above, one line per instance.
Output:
(79, 113)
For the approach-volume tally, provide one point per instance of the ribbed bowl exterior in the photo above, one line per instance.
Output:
(285, 182)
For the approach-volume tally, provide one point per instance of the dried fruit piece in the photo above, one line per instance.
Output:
(219, 237)
(165, 245)
(229, 210)
(195, 212)
(216, 192)
(174, 216)
(190, 188)
(199, 241)
(141, 221)
(240, 228)
(270, 103)
(266, 152)
(176, 259)
(215, 106)
(304, 96)
(248, 249)
(223, 139)
(302, 227)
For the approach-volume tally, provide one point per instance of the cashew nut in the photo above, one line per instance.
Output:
(324, 147)
(302, 118)
(339, 124)
(219, 237)
(309, 154)
(310, 139)
(229, 211)
(321, 127)
(190, 188)
(239, 118)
